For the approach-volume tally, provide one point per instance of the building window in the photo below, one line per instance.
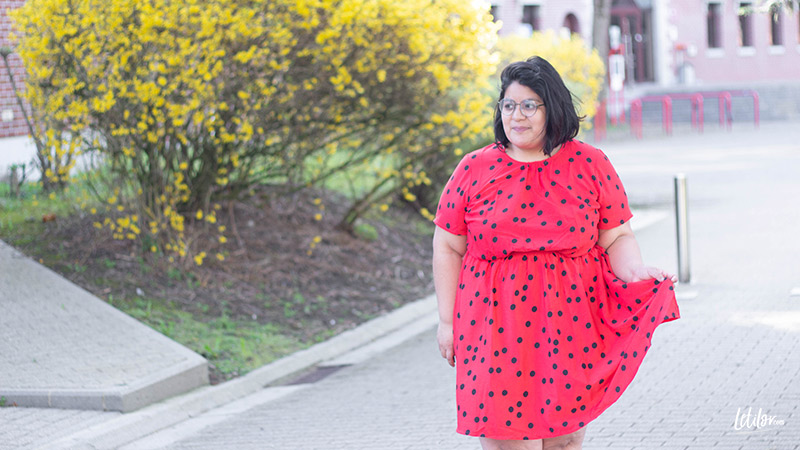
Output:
(746, 24)
(571, 23)
(775, 25)
(714, 22)
(493, 12)
(530, 16)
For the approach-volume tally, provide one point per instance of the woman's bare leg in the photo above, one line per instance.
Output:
(509, 444)
(571, 441)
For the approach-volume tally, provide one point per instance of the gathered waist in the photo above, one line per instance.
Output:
(525, 255)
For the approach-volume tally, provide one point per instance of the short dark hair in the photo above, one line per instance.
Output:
(562, 123)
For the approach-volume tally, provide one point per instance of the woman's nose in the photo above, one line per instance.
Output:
(516, 114)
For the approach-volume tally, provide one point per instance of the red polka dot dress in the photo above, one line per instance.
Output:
(546, 337)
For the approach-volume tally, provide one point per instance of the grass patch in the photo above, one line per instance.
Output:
(234, 347)
(366, 231)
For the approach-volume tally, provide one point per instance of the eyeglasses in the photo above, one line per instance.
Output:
(526, 107)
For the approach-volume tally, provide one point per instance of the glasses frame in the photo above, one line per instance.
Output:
(500, 107)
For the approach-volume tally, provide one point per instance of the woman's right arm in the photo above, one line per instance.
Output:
(448, 253)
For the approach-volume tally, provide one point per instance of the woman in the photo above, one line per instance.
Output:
(545, 306)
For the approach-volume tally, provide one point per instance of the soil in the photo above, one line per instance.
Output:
(268, 274)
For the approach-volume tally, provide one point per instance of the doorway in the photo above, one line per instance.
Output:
(635, 20)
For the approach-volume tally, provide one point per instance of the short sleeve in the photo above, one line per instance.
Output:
(614, 210)
(450, 214)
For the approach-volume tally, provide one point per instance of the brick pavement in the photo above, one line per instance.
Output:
(35, 427)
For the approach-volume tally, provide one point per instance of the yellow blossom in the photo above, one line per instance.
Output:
(198, 259)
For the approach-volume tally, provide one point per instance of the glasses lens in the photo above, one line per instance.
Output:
(507, 106)
(529, 107)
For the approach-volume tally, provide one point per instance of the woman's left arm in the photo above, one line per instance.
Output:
(626, 257)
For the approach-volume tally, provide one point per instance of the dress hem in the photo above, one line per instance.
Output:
(594, 415)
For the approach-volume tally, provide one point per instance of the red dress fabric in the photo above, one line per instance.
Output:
(546, 337)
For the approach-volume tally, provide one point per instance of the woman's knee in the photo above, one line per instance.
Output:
(571, 441)
(501, 444)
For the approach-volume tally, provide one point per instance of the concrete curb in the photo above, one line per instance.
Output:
(133, 426)
(187, 373)
(159, 386)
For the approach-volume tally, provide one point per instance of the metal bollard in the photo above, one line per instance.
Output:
(682, 222)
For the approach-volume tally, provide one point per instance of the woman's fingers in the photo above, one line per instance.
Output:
(664, 275)
(446, 351)
(444, 337)
(647, 272)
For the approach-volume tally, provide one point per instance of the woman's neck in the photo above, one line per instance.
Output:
(528, 155)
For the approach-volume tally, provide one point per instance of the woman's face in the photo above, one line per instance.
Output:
(524, 133)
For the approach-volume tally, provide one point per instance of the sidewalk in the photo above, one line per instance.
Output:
(735, 350)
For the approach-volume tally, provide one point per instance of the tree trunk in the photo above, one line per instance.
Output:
(601, 22)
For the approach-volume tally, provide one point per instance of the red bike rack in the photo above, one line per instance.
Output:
(696, 102)
(666, 113)
(724, 98)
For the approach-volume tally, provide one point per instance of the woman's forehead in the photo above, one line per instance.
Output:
(519, 92)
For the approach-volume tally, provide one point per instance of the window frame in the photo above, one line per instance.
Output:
(775, 17)
(714, 33)
(746, 26)
(536, 20)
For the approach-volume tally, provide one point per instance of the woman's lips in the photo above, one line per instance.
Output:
(519, 129)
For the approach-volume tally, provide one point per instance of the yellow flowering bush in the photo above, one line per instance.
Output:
(195, 101)
(579, 65)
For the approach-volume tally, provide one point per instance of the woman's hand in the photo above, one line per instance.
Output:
(647, 272)
(444, 335)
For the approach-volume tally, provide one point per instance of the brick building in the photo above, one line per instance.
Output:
(11, 121)
(679, 42)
